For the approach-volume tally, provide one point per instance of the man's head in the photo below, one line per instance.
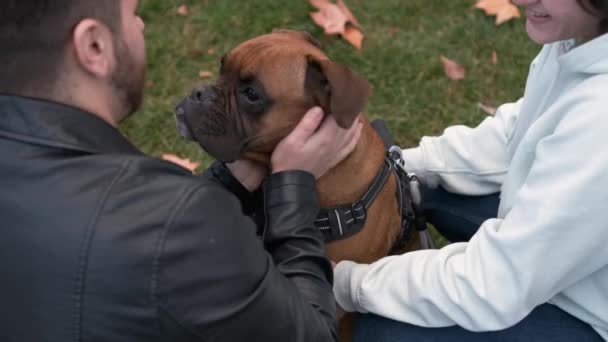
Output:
(74, 51)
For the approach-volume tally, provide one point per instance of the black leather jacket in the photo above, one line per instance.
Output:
(99, 242)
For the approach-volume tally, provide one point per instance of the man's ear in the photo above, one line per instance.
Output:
(93, 47)
(337, 89)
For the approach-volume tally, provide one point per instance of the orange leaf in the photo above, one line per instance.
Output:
(353, 36)
(183, 10)
(185, 163)
(504, 10)
(453, 70)
(336, 18)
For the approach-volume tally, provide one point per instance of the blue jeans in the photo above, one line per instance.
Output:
(458, 218)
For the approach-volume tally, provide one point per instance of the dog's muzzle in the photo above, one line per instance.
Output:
(199, 117)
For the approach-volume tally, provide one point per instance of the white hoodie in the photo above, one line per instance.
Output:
(548, 156)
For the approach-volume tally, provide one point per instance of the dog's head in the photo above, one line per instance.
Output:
(265, 86)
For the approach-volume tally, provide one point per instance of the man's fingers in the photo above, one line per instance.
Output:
(351, 142)
(308, 125)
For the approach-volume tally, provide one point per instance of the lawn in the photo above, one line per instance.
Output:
(400, 57)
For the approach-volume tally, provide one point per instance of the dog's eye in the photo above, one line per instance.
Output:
(251, 95)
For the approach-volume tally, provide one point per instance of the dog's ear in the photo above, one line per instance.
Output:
(336, 89)
(299, 34)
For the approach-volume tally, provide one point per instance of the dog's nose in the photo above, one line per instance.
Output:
(201, 94)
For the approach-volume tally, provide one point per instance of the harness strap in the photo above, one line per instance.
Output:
(347, 220)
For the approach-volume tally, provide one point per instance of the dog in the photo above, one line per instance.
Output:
(265, 86)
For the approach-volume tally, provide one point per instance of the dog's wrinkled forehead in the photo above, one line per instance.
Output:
(279, 53)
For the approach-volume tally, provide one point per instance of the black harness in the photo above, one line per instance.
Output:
(347, 220)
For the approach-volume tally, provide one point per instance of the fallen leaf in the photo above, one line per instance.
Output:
(494, 57)
(504, 10)
(350, 18)
(183, 10)
(205, 74)
(487, 109)
(337, 19)
(392, 31)
(185, 163)
(453, 70)
(331, 18)
(353, 36)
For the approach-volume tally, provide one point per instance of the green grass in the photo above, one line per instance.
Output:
(410, 90)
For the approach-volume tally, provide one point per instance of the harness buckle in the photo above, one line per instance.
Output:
(358, 211)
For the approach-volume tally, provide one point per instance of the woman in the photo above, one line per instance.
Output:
(532, 264)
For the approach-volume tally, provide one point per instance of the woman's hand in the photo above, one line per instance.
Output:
(315, 150)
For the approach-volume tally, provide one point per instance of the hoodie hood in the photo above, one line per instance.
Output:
(589, 58)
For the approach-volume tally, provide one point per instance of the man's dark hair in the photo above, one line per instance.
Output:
(34, 33)
(599, 8)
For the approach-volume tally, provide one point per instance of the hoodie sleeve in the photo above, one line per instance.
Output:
(553, 237)
(466, 160)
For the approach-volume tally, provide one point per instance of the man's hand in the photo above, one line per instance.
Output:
(248, 173)
(315, 150)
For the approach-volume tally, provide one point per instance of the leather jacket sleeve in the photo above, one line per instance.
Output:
(217, 281)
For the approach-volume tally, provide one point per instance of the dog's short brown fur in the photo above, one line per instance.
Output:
(265, 87)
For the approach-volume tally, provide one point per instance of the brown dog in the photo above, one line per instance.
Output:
(265, 86)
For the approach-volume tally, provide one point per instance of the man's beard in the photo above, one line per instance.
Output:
(127, 80)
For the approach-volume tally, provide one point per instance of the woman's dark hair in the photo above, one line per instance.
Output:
(34, 33)
(599, 8)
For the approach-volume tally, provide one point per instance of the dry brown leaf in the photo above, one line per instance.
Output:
(205, 74)
(183, 10)
(504, 10)
(331, 18)
(453, 70)
(185, 163)
(349, 15)
(494, 57)
(337, 19)
(487, 109)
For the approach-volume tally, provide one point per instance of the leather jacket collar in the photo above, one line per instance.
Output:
(53, 124)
